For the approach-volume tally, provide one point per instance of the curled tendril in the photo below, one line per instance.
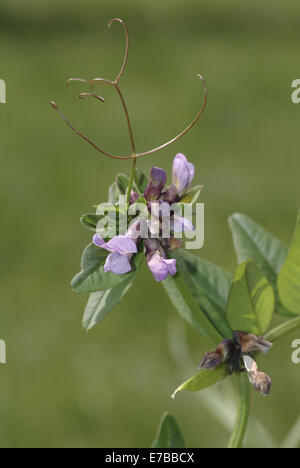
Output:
(115, 84)
(119, 20)
(84, 96)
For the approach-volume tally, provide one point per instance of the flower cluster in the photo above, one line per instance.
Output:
(159, 200)
(232, 351)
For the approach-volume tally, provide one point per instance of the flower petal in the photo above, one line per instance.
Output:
(152, 191)
(97, 240)
(122, 245)
(181, 173)
(171, 265)
(157, 266)
(158, 176)
(191, 169)
(117, 263)
(182, 224)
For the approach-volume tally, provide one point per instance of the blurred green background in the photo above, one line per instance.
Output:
(63, 387)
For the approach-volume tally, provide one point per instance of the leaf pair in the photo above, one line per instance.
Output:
(280, 265)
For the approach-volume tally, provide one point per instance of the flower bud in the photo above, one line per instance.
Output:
(213, 359)
(158, 176)
(134, 196)
(260, 381)
(170, 195)
(183, 173)
(250, 343)
(155, 186)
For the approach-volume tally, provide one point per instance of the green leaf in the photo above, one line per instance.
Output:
(192, 195)
(140, 180)
(91, 220)
(268, 252)
(188, 308)
(101, 303)
(205, 379)
(289, 276)
(122, 182)
(210, 286)
(92, 276)
(251, 301)
(168, 435)
(252, 241)
(113, 193)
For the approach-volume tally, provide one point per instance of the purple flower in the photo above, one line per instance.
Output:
(158, 264)
(156, 184)
(121, 248)
(158, 176)
(183, 173)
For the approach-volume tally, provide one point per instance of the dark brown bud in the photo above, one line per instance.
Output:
(263, 383)
(213, 359)
(250, 343)
(260, 381)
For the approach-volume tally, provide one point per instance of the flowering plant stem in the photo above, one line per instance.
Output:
(283, 329)
(131, 180)
(239, 430)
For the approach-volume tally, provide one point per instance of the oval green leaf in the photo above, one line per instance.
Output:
(289, 276)
(205, 379)
(210, 286)
(140, 180)
(122, 182)
(252, 241)
(251, 301)
(101, 303)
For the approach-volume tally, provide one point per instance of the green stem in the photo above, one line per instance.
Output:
(239, 430)
(283, 329)
(131, 180)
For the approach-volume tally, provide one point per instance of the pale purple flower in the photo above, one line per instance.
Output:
(122, 248)
(183, 173)
(158, 264)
